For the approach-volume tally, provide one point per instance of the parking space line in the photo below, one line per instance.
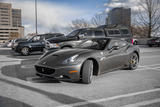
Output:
(144, 103)
(153, 65)
(149, 67)
(150, 57)
(111, 98)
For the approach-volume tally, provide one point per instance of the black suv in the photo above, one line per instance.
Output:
(36, 43)
(75, 37)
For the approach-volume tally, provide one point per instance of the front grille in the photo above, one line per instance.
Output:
(44, 70)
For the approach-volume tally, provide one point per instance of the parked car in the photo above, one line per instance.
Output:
(74, 38)
(14, 42)
(9, 43)
(91, 57)
(36, 43)
(154, 42)
(118, 31)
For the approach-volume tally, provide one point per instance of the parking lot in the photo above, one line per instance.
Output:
(21, 87)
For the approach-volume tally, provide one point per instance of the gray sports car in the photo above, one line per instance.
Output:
(91, 57)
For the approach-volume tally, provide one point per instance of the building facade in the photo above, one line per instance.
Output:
(16, 18)
(10, 22)
(119, 15)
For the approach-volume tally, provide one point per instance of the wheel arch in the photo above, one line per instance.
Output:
(95, 66)
(137, 55)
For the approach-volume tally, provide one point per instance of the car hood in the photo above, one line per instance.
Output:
(56, 58)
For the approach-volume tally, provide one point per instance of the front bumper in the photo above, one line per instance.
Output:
(17, 49)
(71, 73)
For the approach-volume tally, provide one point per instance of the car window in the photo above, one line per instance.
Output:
(93, 44)
(112, 43)
(36, 38)
(110, 32)
(73, 33)
(86, 44)
(99, 33)
(114, 32)
(86, 33)
(121, 44)
(117, 32)
(124, 31)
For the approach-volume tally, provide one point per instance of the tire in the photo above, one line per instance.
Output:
(133, 61)
(42, 50)
(25, 51)
(87, 72)
(150, 45)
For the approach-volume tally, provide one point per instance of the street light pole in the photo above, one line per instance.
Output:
(36, 16)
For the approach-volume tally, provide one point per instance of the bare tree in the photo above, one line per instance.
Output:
(98, 19)
(149, 16)
(79, 23)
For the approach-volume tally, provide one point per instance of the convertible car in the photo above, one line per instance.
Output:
(91, 57)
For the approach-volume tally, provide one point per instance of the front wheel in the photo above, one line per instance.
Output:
(133, 61)
(25, 51)
(87, 72)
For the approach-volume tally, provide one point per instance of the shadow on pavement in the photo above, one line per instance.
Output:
(7, 102)
(61, 98)
(11, 54)
(26, 71)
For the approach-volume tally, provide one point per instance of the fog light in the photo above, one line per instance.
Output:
(72, 72)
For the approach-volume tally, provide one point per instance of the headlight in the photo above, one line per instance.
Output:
(71, 59)
(54, 45)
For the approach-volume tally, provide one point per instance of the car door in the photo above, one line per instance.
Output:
(37, 43)
(112, 58)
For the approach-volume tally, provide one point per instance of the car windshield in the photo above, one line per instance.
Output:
(74, 33)
(93, 44)
(30, 39)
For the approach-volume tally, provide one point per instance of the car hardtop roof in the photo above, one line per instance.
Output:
(115, 26)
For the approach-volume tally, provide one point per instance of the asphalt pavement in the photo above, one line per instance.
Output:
(20, 87)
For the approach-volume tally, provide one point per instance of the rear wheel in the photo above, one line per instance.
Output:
(133, 62)
(25, 51)
(150, 45)
(87, 72)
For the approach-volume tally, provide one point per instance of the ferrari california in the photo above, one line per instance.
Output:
(91, 57)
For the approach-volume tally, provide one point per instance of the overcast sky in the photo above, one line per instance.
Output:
(58, 14)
